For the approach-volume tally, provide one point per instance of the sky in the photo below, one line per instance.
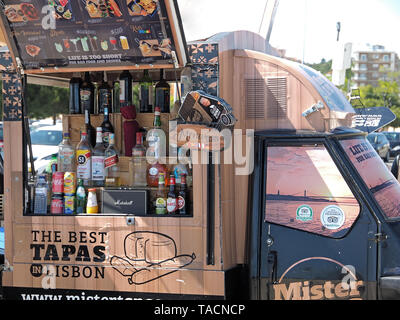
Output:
(305, 28)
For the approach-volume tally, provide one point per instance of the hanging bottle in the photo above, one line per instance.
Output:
(163, 94)
(146, 92)
(139, 162)
(104, 95)
(125, 89)
(74, 95)
(87, 95)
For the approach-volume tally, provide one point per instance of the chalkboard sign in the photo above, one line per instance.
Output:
(94, 33)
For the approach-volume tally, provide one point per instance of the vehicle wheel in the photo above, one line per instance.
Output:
(387, 158)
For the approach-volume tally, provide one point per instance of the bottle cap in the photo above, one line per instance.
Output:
(157, 109)
(92, 190)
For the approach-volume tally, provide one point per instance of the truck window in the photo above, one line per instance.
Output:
(305, 191)
(376, 175)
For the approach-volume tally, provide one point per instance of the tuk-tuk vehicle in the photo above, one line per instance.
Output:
(291, 204)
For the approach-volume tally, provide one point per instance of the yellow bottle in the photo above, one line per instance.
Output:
(92, 206)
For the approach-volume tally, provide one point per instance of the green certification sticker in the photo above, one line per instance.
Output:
(304, 213)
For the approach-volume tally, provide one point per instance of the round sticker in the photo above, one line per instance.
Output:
(304, 213)
(332, 217)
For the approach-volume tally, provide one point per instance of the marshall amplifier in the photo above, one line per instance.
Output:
(125, 201)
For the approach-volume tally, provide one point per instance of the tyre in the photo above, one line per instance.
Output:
(387, 157)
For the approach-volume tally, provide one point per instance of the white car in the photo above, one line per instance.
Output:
(45, 141)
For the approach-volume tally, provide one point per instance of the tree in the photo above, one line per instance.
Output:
(44, 101)
(324, 66)
(386, 94)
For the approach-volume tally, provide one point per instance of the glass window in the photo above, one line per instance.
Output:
(383, 185)
(386, 58)
(306, 191)
(363, 57)
(363, 66)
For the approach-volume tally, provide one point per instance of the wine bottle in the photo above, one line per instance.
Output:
(74, 95)
(125, 89)
(163, 94)
(104, 95)
(146, 93)
(87, 95)
(91, 132)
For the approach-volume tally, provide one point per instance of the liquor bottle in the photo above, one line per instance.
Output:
(84, 160)
(41, 195)
(161, 196)
(91, 132)
(139, 162)
(111, 164)
(172, 201)
(156, 138)
(106, 126)
(153, 173)
(80, 198)
(87, 95)
(98, 158)
(66, 155)
(183, 197)
(146, 92)
(74, 95)
(125, 89)
(163, 94)
(104, 95)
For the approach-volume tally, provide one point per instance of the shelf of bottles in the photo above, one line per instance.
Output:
(111, 161)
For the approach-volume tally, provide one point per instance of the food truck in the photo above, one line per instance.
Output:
(290, 202)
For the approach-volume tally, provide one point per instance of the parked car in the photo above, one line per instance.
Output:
(381, 145)
(45, 141)
(394, 140)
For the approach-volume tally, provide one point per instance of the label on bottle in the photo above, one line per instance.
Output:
(153, 171)
(181, 202)
(161, 206)
(122, 90)
(171, 205)
(85, 99)
(84, 161)
(111, 161)
(98, 170)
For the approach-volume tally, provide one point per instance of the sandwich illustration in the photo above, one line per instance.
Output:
(149, 256)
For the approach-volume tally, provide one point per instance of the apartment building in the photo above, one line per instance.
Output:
(372, 64)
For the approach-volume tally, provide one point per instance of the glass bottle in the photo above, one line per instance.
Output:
(84, 160)
(87, 94)
(111, 164)
(161, 196)
(125, 88)
(98, 171)
(172, 201)
(183, 197)
(66, 155)
(156, 138)
(146, 92)
(104, 95)
(74, 95)
(139, 162)
(163, 94)
(80, 198)
(91, 132)
(106, 126)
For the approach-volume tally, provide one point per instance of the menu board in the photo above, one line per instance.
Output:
(92, 33)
